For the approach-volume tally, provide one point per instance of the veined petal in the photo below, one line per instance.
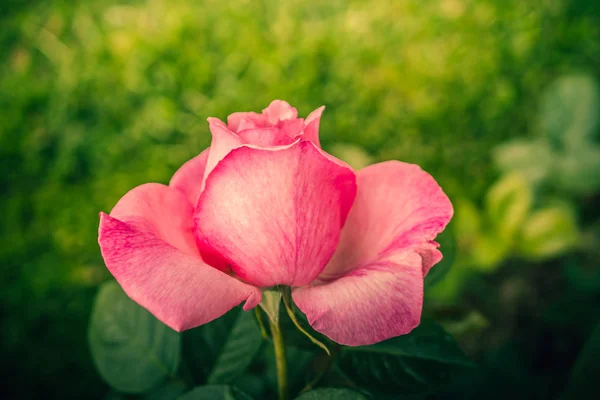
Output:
(367, 305)
(398, 206)
(371, 289)
(275, 214)
(147, 245)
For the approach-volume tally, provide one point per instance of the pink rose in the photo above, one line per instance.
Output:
(265, 206)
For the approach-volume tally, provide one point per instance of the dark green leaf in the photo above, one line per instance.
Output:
(447, 243)
(242, 345)
(584, 375)
(424, 361)
(132, 350)
(215, 392)
(168, 391)
(332, 394)
(220, 350)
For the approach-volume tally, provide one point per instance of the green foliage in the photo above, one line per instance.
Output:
(221, 350)
(425, 361)
(215, 392)
(122, 334)
(331, 394)
(549, 231)
(566, 155)
(584, 375)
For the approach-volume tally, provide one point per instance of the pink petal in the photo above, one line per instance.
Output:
(368, 305)
(398, 206)
(147, 245)
(311, 126)
(372, 287)
(291, 127)
(223, 141)
(275, 214)
(280, 110)
(242, 120)
(265, 137)
(188, 178)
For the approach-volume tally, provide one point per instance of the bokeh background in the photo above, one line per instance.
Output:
(497, 99)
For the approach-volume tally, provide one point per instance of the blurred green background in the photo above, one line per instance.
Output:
(497, 99)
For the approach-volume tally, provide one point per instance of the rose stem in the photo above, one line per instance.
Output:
(280, 360)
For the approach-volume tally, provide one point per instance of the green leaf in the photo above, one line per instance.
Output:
(584, 375)
(488, 252)
(570, 109)
(549, 232)
(507, 204)
(219, 351)
(448, 248)
(578, 171)
(533, 160)
(168, 391)
(242, 345)
(332, 394)
(132, 350)
(424, 361)
(215, 392)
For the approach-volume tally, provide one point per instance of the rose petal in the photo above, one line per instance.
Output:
(280, 110)
(398, 205)
(265, 137)
(147, 245)
(311, 126)
(223, 141)
(188, 178)
(371, 289)
(246, 120)
(367, 305)
(275, 214)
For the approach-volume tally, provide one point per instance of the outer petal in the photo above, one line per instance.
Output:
(275, 215)
(188, 179)
(311, 126)
(367, 305)
(385, 249)
(398, 206)
(280, 110)
(147, 245)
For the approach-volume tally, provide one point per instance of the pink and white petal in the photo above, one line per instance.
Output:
(160, 210)
(311, 126)
(246, 120)
(398, 206)
(280, 110)
(223, 141)
(265, 137)
(179, 289)
(376, 302)
(188, 178)
(275, 214)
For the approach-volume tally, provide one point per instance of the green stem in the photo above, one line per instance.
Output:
(280, 360)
